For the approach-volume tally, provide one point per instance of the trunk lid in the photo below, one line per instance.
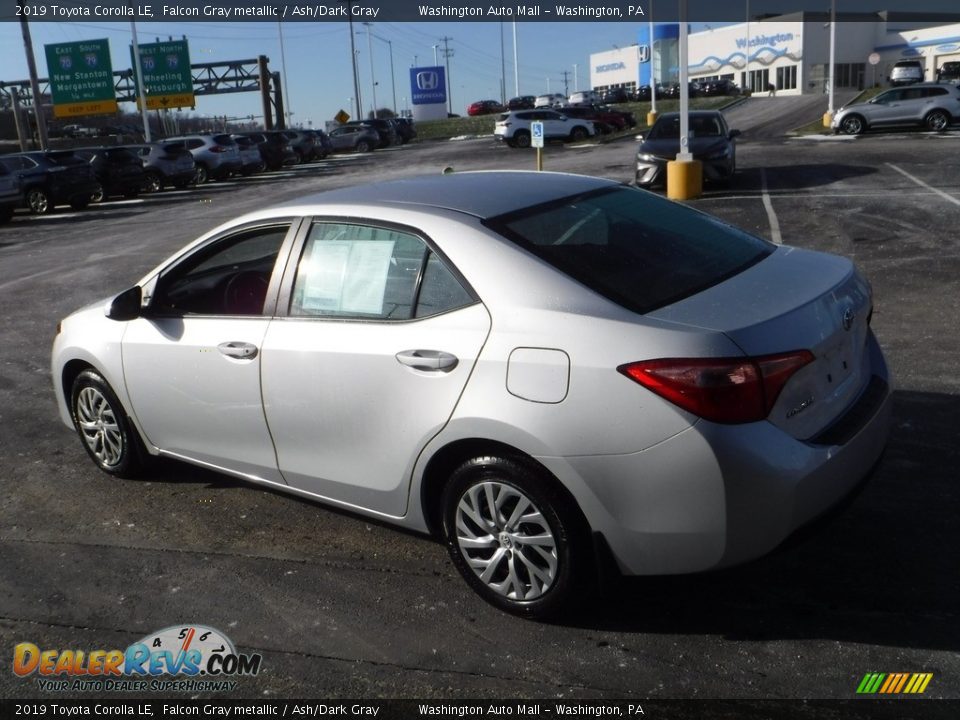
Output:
(794, 300)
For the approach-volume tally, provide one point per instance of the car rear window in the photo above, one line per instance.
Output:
(636, 249)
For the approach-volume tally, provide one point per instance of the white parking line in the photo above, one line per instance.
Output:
(768, 205)
(921, 183)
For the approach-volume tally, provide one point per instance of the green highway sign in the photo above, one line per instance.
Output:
(81, 78)
(166, 74)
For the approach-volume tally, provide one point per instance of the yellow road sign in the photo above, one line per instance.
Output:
(341, 117)
(98, 107)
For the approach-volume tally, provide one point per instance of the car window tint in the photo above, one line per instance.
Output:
(634, 248)
(440, 291)
(228, 277)
(358, 271)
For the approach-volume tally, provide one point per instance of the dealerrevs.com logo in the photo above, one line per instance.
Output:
(180, 658)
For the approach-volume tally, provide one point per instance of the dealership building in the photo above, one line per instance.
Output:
(790, 52)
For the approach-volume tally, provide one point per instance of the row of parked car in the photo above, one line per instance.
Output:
(613, 96)
(41, 180)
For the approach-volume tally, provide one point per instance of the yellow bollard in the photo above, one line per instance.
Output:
(827, 119)
(684, 179)
(652, 117)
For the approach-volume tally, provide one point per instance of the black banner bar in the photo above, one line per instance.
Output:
(633, 11)
(859, 709)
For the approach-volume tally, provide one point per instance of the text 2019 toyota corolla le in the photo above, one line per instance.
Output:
(536, 367)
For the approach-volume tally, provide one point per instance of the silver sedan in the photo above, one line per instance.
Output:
(543, 370)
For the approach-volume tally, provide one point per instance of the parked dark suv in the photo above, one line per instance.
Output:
(10, 193)
(274, 147)
(54, 177)
(119, 171)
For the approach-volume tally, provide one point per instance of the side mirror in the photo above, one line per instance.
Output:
(733, 134)
(126, 305)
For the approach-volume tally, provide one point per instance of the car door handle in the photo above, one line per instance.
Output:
(428, 360)
(239, 350)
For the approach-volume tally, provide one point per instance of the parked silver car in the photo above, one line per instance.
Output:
(539, 368)
(216, 156)
(932, 105)
(356, 138)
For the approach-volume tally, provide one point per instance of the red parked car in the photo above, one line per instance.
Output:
(485, 107)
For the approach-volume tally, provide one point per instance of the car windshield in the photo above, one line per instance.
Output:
(639, 250)
(700, 126)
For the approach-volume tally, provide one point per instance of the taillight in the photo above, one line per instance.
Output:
(723, 390)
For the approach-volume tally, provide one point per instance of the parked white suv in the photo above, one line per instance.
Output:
(551, 100)
(906, 72)
(513, 128)
(585, 97)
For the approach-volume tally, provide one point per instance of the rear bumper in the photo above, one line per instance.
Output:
(719, 495)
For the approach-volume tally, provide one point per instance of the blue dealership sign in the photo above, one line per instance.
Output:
(428, 85)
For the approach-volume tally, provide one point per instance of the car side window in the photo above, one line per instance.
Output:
(362, 272)
(228, 277)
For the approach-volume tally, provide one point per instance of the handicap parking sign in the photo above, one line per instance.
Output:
(536, 134)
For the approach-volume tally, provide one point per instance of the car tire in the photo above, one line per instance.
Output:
(98, 195)
(152, 182)
(201, 175)
(578, 134)
(937, 120)
(362, 146)
(853, 125)
(104, 429)
(81, 202)
(39, 202)
(521, 139)
(514, 537)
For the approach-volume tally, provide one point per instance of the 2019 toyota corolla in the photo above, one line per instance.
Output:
(535, 367)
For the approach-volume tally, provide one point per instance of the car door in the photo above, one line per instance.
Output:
(368, 364)
(192, 361)
(886, 108)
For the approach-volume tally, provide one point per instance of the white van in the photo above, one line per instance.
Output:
(906, 72)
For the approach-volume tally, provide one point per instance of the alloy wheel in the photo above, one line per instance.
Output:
(98, 425)
(506, 540)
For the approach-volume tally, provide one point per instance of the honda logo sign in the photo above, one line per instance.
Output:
(428, 80)
(643, 53)
(428, 85)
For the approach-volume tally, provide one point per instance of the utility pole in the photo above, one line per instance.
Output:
(447, 54)
(34, 84)
(566, 83)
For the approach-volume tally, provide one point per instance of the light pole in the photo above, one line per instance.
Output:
(828, 118)
(353, 59)
(373, 82)
(576, 78)
(746, 54)
(286, 85)
(652, 115)
(393, 77)
(516, 63)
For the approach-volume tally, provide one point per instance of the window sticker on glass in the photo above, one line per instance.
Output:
(344, 276)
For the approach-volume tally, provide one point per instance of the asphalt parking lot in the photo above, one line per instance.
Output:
(342, 607)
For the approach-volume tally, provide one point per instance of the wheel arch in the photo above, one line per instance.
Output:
(441, 465)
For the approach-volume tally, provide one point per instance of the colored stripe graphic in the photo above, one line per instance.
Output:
(894, 683)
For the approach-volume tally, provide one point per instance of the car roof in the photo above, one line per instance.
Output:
(483, 194)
